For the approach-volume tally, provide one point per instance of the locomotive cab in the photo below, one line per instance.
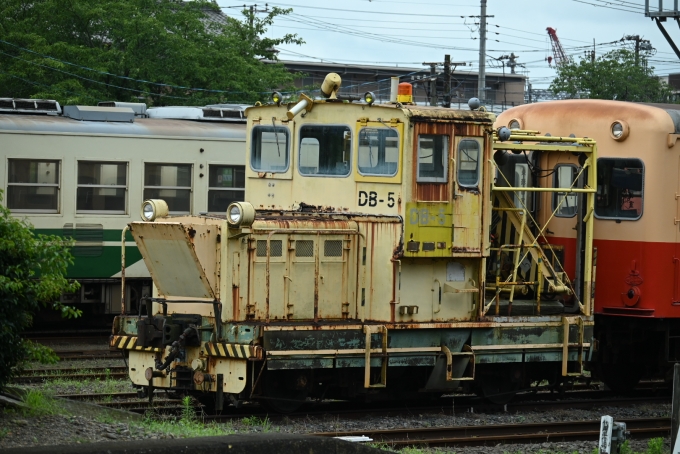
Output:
(358, 267)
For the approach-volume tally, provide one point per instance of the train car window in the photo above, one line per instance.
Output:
(564, 177)
(269, 149)
(102, 187)
(325, 150)
(620, 188)
(33, 186)
(521, 181)
(468, 163)
(378, 151)
(433, 158)
(226, 184)
(170, 182)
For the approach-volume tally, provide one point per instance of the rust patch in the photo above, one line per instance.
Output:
(467, 250)
(235, 302)
(191, 232)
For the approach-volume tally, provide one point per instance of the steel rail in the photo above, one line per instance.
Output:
(506, 433)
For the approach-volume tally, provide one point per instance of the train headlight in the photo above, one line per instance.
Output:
(153, 208)
(369, 97)
(514, 124)
(276, 98)
(240, 214)
(619, 130)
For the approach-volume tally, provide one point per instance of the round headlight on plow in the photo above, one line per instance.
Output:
(153, 208)
(240, 214)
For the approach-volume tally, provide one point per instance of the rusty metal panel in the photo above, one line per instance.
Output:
(181, 259)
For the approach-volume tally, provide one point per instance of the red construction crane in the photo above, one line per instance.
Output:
(559, 56)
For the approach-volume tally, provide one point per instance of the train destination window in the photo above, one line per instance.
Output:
(226, 184)
(269, 149)
(564, 177)
(620, 188)
(433, 158)
(325, 150)
(102, 187)
(468, 162)
(378, 151)
(170, 182)
(33, 186)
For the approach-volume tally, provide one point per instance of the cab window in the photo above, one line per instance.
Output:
(378, 151)
(468, 163)
(565, 202)
(269, 149)
(325, 150)
(620, 188)
(433, 153)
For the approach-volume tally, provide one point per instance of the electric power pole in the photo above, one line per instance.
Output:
(481, 81)
(433, 84)
(446, 102)
(640, 44)
(253, 10)
(447, 81)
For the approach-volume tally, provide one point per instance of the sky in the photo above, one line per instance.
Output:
(409, 32)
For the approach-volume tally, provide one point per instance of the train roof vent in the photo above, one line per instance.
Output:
(139, 108)
(33, 106)
(92, 113)
(233, 113)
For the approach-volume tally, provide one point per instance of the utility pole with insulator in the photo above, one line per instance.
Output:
(481, 82)
(640, 44)
(447, 81)
(253, 11)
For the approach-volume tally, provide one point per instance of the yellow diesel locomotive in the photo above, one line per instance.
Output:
(377, 257)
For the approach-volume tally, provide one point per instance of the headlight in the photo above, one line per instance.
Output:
(153, 208)
(240, 214)
(369, 97)
(276, 98)
(514, 124)
(619, 130)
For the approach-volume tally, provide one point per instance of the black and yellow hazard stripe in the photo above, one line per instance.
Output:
(129, 343)
(233, 350)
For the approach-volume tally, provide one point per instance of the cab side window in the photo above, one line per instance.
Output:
(620, 188)
(564, 202)
(269, 149)
(325, 150)
(468, 162)
(378, 151)
(433, 157)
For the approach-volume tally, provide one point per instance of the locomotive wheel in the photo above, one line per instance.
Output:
(621, 378)
(499, 390)
(280, 398)
(501, 385)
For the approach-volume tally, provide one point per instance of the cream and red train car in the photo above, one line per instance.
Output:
(636, 232)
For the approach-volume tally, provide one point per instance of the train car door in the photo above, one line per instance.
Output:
(468, 157)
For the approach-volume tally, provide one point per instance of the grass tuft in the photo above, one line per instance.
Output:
(38, 404)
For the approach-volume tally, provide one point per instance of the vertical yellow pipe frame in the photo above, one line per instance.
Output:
(122, 269)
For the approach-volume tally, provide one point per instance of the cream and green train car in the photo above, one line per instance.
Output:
(82, 172)
(360, 266)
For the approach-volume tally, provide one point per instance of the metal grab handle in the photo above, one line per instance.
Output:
(439, 306)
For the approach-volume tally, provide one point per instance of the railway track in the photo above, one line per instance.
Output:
(65, 355)
(506, 433)
(90, 373)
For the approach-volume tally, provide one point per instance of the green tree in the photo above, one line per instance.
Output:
(615, 75)
(157, 51)
(32, 270)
